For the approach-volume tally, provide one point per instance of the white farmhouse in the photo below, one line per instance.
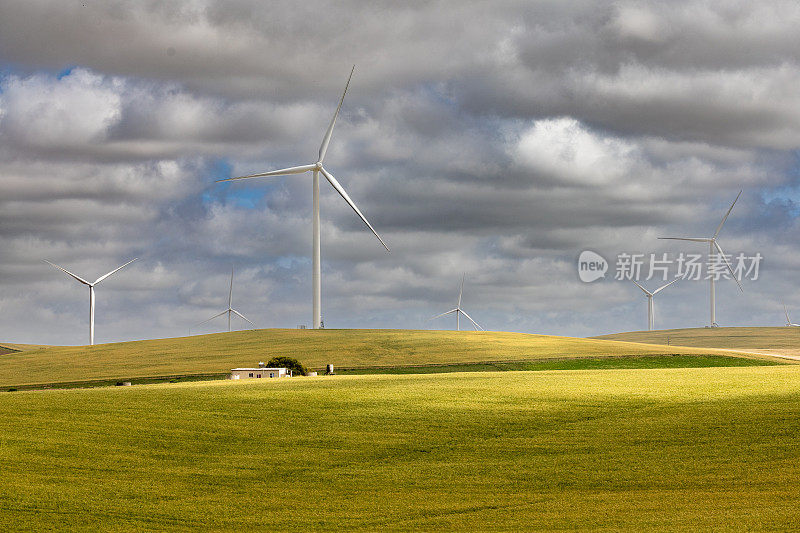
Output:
(260, 372)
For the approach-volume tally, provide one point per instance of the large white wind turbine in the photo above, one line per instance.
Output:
(316, 169)
(650, 307)
(714, 247)
(788, 321)
(91, 291)
(230, 310)
(458, 311)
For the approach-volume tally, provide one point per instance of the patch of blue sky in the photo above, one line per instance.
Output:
(242, 196)
(246, 197)
(8, 70)
(789, 193)
(246, 194)
(64, 72)
(220, 168)
(12, 69)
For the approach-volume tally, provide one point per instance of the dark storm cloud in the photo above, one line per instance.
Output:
(684, 69)
(498, 139)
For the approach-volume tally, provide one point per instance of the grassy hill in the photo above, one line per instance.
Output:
(8, 347)
(778, 340)
(632, 450)
(218, 353)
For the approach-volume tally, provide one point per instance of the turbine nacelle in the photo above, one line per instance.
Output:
(229, 311)
(650, 304)
(317, 169)
(458, 311)
(91, 286)
(714, 248)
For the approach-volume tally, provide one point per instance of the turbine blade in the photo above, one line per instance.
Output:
(281, 172)
(719, 228)
(230, 293)
(68, 272)
(461, 290)
(327, 139)
(240, 315)
(443, 314)
(470, 319)
(693, 239)
(101, 278)
(665, 286)
(730, 269)
(210, 319)
(786, 312)
(347, 199)
(643, 289)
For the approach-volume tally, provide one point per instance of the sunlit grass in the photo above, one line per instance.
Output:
(665, 449)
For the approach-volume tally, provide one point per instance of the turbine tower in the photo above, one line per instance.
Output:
(230, 310)
(788, 321)
(316, 169)
(650, 308)
(713, 248)
(458, 311)
(91, 291)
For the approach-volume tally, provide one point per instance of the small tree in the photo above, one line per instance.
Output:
(288, 362)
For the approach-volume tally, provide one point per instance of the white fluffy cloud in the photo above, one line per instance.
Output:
(567, 152)
(78, 109)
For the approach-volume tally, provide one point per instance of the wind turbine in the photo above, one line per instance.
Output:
(713, 248)
(789, 322)
(650, 308)
(91, 291)
(316, 169)
(230, 310)
(458, 311)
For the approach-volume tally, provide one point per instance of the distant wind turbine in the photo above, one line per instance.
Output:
(316, 168)
(91, 291)
(714, 247)
(458, 311)
(230, 310)
(789, 322)
(650, 307)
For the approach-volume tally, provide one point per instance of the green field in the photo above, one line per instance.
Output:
(585, 363)
(666, 449)
(780, 340)
(218, 353)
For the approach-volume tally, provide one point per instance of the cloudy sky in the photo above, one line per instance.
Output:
(500, 139)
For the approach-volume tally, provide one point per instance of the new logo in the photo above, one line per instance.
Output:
(591, 266)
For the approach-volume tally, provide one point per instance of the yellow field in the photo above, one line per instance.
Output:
(701, 449)
(315, 348)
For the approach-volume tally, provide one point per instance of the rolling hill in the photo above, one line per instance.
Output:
(217, 353)
(768, 340)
